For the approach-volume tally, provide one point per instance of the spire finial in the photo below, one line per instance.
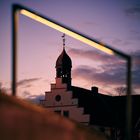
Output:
(63, 36)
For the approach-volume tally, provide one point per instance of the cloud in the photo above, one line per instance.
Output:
(136, 58)
(93, 55)
(31, 97)
(111, 72)
(35, 98)
(90, 23)
(136, 78)
(121, 42)
(101, 57)
(25, 94)
(109, 76)
(27, 81)
(134, 32)
(136, 69)
(133, 11)
(27, 86)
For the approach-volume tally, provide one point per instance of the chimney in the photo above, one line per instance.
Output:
(94, 90)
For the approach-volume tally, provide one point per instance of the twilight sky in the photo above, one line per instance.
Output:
(116, 23)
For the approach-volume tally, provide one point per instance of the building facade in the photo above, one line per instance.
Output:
(60, 98)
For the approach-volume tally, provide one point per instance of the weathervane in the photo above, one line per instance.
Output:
(63, 36)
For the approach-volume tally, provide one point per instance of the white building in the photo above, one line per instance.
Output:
(60, 98)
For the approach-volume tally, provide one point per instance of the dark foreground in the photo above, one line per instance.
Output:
(20, 120)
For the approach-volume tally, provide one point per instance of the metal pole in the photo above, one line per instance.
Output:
(128, 102)
(14, 48)
(17, 7)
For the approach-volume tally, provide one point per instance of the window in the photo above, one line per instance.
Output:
(57, 98)
(66, 113)
(58, 111)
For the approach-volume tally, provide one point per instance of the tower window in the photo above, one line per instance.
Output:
(66, 113)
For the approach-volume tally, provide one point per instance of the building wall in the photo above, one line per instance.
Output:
(60, 100)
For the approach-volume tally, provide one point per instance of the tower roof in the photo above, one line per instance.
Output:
(63, 61)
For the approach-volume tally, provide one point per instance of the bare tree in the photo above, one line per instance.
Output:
(121, 90)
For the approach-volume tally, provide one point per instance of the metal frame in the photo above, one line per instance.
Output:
(16, 9)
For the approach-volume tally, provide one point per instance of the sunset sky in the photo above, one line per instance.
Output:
(114, 22)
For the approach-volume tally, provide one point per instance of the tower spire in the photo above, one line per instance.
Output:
(63, 36)
(63, 67)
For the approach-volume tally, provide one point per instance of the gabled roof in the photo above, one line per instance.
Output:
(106, 110)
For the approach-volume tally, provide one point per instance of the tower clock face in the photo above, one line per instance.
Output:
(58, 98)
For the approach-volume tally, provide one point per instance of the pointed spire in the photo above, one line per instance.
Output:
(63, 36)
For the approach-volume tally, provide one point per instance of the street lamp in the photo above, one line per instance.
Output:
(18, 9)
